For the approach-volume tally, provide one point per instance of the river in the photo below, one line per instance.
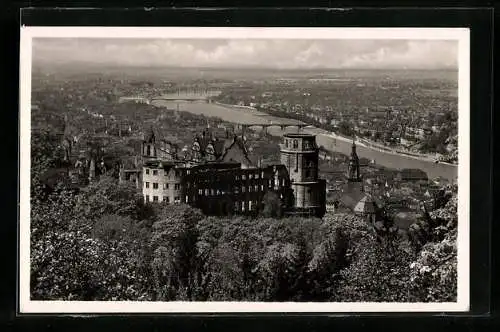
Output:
(241, 115)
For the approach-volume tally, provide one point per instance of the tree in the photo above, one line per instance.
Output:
(345, 128)
(434, 272)
(175, 253)
(272, 205)
(376, 275)
(70, 265)
(107, 197)
(278, 270)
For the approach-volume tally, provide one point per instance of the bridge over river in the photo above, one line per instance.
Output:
(246, 117)
(187, 95)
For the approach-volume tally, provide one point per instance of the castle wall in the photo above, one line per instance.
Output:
(234, 190)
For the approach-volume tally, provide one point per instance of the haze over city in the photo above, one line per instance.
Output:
(247, 53)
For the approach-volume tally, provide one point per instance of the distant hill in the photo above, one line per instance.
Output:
(75, 68)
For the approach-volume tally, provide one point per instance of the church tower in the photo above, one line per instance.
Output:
(149, 145)
(354, 180)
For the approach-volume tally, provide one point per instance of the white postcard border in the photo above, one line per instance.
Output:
(74, 307)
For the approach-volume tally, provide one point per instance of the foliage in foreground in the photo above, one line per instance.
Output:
(104, 243)
(91, 250)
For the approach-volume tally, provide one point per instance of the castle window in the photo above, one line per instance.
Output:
(286, 143)
(177, 186)
(243, 177)
(155, 198)
(262, 187)
(155, 172)
(148, 149)
(243, 206)
(177, 200)
(243, 189)
(147, 198)
(165, 186)
(147, 184)
(256, 176)
(147, 171)
(206, 192)
(166, 199)
(250, 206)
(187, 199)
(249, 189)
(212, 192)
(250, 176)
(295, 144)
(218, 192)
(256, 187)
(237, 177)
(262, 174)
(155, 185)
(200, 191)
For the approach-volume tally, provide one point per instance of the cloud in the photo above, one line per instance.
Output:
(250, 53)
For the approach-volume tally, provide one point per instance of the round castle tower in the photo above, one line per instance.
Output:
(299, 154)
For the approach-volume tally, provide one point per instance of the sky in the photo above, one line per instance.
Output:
(241, 53)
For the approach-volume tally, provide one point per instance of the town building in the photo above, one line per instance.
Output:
(158, 150)
(353, 196)
(218, 177)
(162, 181)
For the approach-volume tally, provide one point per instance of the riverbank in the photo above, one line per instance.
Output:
(329, 141)
(235, 106)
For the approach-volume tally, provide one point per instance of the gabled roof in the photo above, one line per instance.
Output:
(365, 205)
(219, 147)
(238, 143)
(359, 201)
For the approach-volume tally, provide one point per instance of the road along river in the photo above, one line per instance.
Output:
(246, 115)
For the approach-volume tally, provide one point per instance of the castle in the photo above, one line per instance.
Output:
(218, 177)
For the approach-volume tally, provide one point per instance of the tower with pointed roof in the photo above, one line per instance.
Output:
(354, 179)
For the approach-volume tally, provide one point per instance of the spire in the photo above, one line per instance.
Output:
(353, 172)
(150, 138)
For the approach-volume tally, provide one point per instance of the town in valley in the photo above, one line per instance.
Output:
(161, 183)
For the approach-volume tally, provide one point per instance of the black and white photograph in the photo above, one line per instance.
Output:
(244, 169)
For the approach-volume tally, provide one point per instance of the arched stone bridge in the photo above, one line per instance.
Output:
(264, 126)
(182, 98)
